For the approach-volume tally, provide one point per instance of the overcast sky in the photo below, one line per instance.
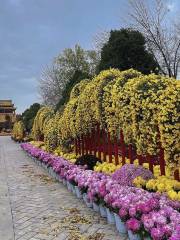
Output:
(32, 32)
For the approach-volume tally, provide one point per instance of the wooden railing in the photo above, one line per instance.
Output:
(99, 143)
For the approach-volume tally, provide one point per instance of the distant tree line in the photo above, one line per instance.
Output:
(28, 116)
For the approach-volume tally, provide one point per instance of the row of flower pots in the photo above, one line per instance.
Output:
(148, 215)
(112, 218)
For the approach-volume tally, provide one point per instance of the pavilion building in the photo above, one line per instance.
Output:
(7, 114)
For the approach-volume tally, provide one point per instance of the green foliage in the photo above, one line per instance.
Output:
(126, 49)
(29, 114)
(76, 78)
(71, 66)
(77, 59)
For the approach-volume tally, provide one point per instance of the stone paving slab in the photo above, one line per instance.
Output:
(6, 221)
(39, 208)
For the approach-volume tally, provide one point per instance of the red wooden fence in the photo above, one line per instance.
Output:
(99, 143)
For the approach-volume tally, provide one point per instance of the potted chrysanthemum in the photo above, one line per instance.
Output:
(134, 229)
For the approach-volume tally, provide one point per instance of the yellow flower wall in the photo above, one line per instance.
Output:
(18, 130)
(141, 105)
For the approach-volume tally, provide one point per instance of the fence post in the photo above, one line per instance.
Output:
(85, 145)
(176, 175)
(79, 145)
(123, 147)
(82, 140)
(149, 160)
(161, 156)
(90, 142)
(76, 147)
(98, 141)
(116, 150)
(109, 148)
(130, 153)
(94, 141)
(161, 161)
(140, 159)
(104, 145)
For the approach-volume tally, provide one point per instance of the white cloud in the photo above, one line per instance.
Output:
(171, 6)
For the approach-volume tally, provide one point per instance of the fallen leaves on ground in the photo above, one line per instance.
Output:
(76, 218)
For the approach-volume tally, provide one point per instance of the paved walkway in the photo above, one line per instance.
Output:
(33, 206)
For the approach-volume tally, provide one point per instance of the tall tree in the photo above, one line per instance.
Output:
(99, 40)
(29, 114)
(161, 31)
(126, 49)
(55, 78)
(52, 83)
(76, 78)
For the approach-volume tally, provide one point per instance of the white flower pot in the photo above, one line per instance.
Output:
(78, 192)
(96, 207)
(50, 171)
(54, 174)
(73, 190)
(88, 203)
(69, 186)
(110, 216)
(120, 225)
(64, 182)
(84, 197)
(133, 236)
(103, 211)
(59, 178)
